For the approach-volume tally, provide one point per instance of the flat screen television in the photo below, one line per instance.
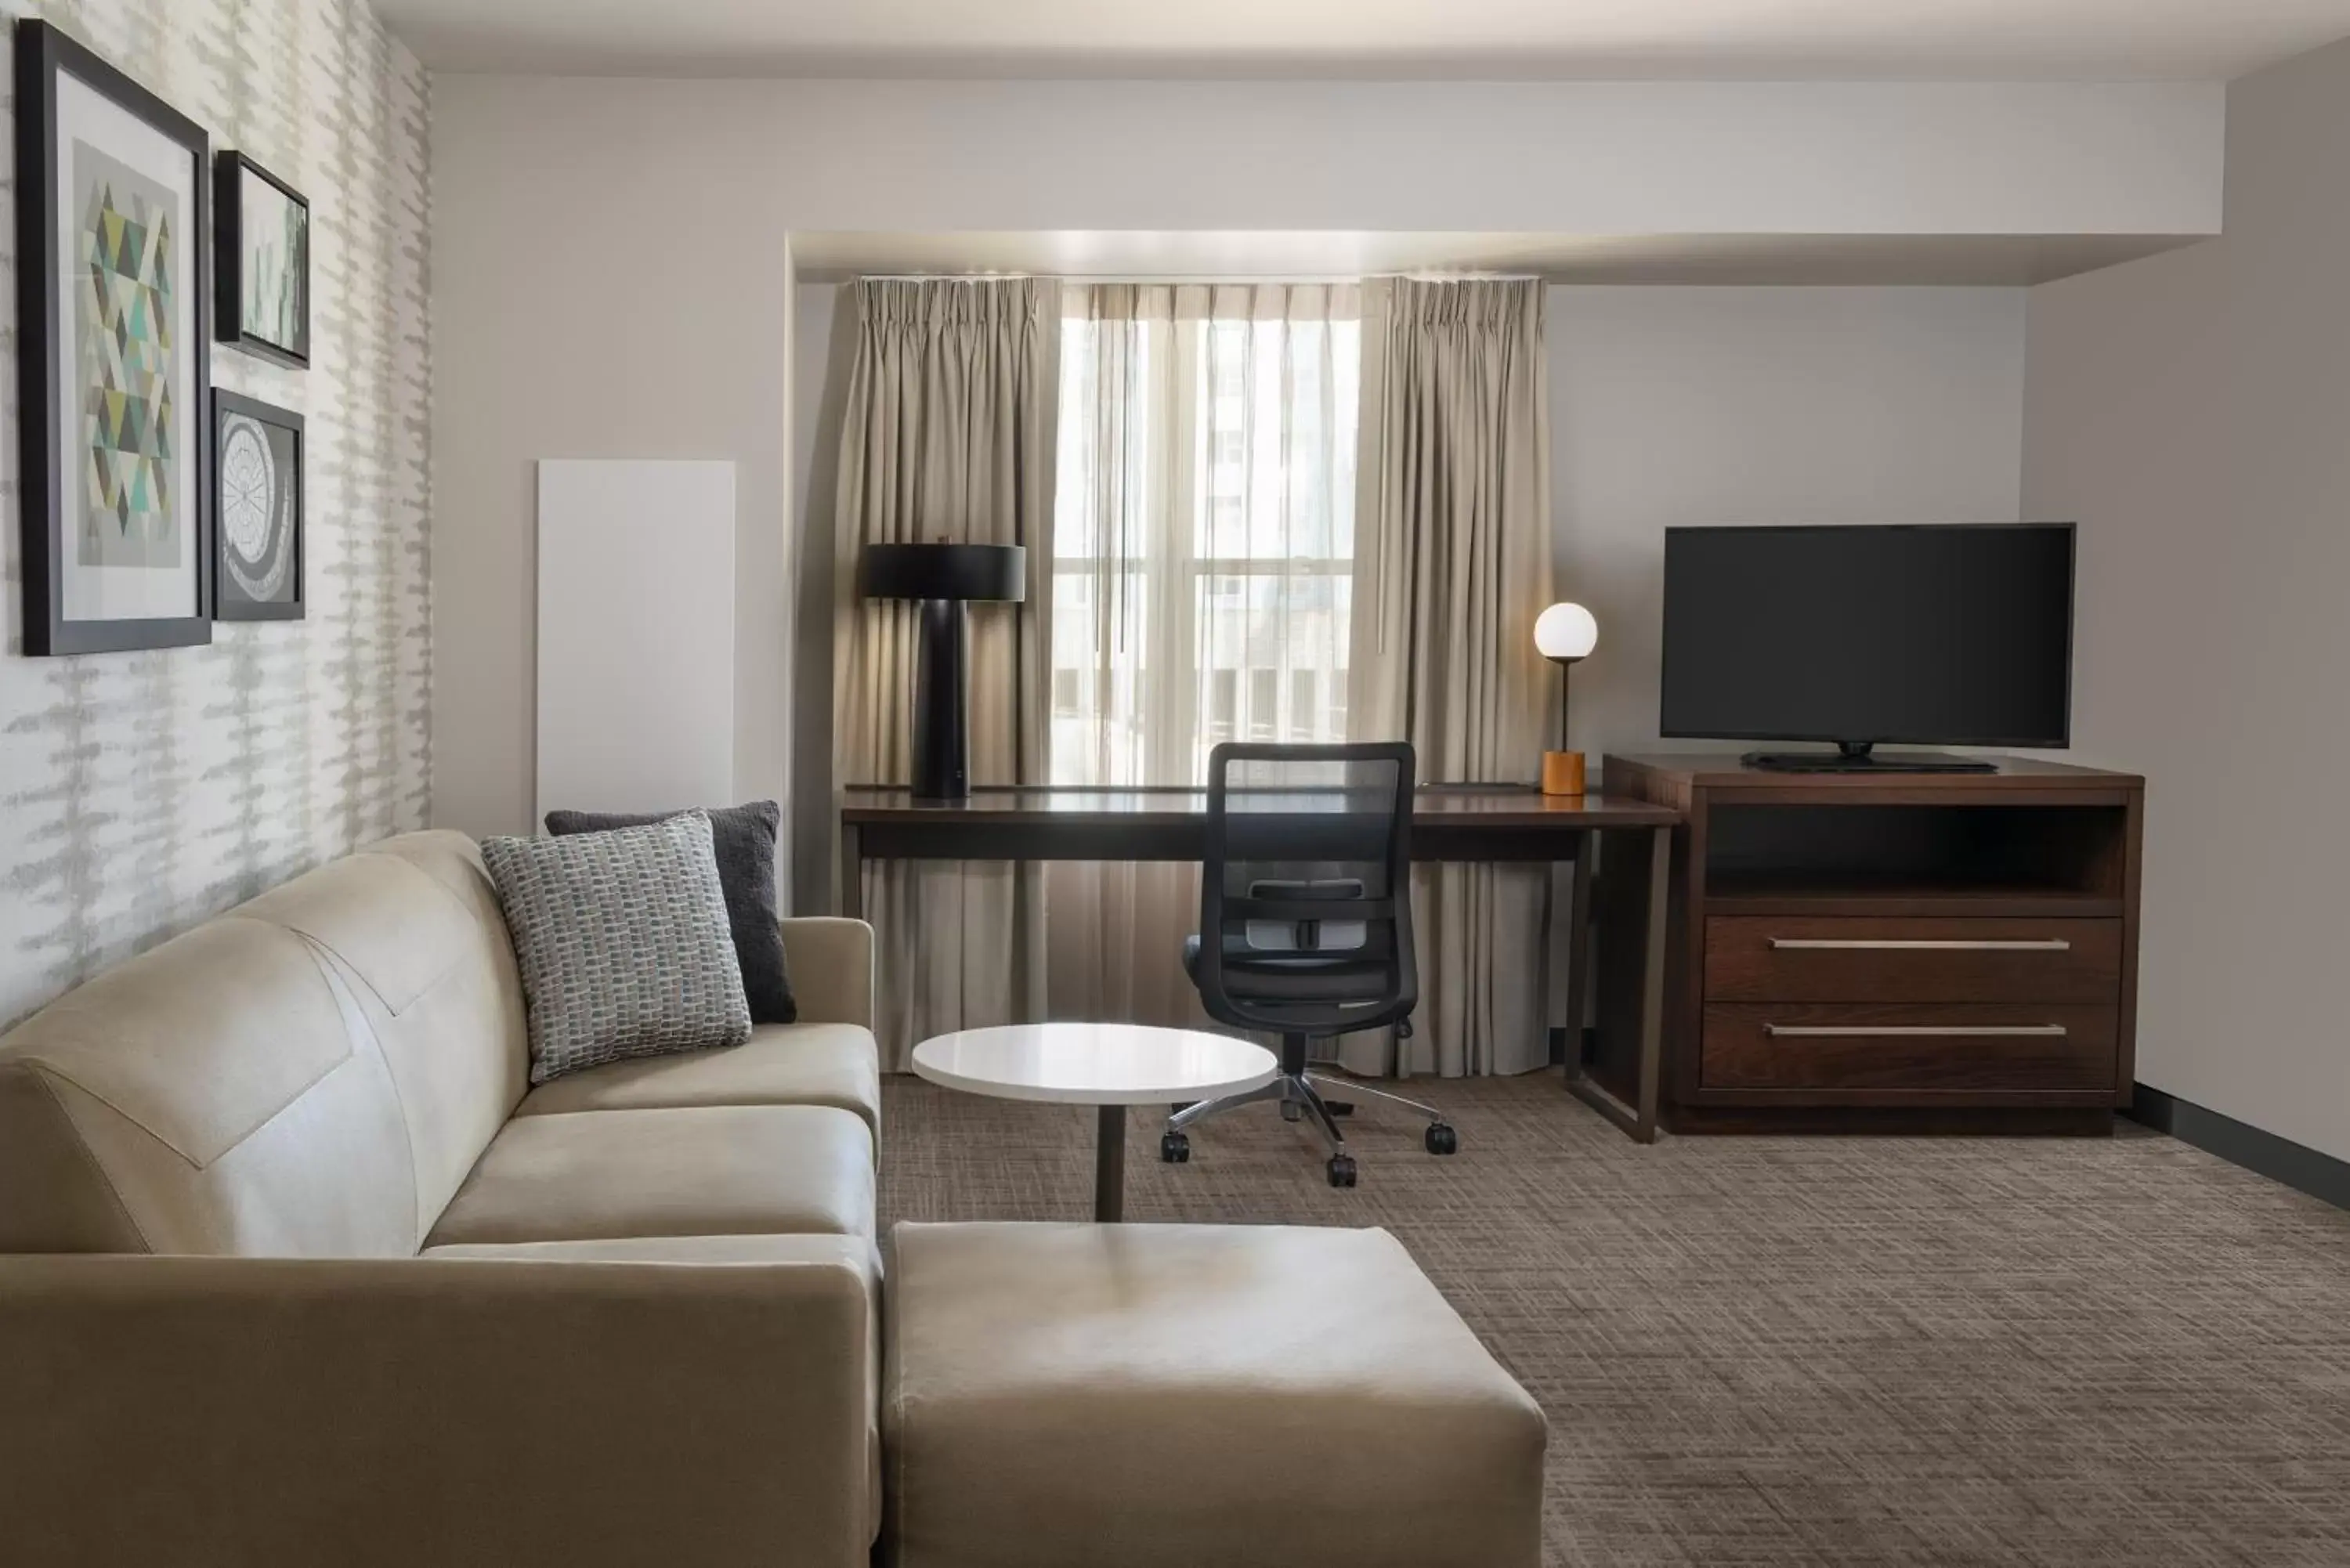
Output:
(1958, 635)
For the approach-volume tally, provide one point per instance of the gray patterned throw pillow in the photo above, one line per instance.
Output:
(622, 943)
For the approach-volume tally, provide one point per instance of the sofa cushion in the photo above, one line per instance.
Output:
(851, 1253)
(781, 1065)
(742, 838)
(696, 1250)
(702, 1171)
(213, 1094)
(411, 931)
(622, 943)
(1067, 1395)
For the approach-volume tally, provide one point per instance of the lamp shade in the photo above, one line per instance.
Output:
(946, 572)
(1566, 632)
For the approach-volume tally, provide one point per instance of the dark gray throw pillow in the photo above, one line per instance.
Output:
(621, 941)
(744, 837)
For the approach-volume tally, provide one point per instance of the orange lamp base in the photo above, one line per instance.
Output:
(1562, 772)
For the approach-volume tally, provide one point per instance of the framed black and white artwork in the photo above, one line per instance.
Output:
(262, 235)
(257, 512)
(113, 332)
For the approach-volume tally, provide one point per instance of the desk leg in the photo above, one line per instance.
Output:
(848, 898)
(1109, 1166)
(1545, 965)
(1652, 981)
(1639, 1121)
(1578, 950)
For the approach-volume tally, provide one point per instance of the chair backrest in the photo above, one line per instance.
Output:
(1306, 893)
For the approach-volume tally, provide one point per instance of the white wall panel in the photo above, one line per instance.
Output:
(636, 635)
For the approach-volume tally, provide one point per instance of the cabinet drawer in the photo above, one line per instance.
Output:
(1959, 1047)
(1797, 957)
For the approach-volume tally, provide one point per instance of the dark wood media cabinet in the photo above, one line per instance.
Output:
(1898, 953)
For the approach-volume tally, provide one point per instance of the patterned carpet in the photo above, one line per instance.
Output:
(1767, 1351)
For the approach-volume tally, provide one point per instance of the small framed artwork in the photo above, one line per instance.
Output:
(262, 233)
(113, 332)
(257, 510)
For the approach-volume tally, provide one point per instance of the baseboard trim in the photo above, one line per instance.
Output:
(2297, 1166)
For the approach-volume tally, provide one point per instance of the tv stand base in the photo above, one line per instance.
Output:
(1864, 759)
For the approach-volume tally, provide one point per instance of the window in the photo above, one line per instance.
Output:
(1224, 703)
(1306, 718)
(1264, 704)
(1203, 539)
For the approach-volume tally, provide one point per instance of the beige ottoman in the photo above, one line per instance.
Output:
(1193, 1396)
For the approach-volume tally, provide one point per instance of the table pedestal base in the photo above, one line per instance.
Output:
(1109, 1164)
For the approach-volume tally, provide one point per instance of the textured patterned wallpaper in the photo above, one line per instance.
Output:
(142, 792)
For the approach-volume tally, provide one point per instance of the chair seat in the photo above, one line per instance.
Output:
(704, 1170)
(832, 1065)
(1289, 976)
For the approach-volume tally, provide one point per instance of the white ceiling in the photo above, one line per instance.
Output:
(1538, 39)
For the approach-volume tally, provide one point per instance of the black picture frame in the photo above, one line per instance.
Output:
(44, 55)
(229, 219)
(231, 602)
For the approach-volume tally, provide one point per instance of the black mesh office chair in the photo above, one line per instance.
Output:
(1305, 919)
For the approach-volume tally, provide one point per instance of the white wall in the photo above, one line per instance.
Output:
(612, 257)
(2193, 411)
(1584, 158)
(657, 327)
(819, 378)
(1687, 406)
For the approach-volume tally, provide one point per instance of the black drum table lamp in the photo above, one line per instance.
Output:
(943, 579)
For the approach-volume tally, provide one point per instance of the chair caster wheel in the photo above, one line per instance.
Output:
(1175, 1148)
(1290, 1110)
(1341, 1170)
(1442, 1139)
(1339, 1107)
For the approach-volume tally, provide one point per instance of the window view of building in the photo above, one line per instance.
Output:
(1201, 585)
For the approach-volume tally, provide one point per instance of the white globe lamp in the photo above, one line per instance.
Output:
(1564, 633)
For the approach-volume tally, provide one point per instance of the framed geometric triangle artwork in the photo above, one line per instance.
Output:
(113, 334)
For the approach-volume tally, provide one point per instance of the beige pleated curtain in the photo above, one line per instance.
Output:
(1452, 566)
(947, 435)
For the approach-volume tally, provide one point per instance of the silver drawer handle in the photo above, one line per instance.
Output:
(1937, 1031)
(2029, 945)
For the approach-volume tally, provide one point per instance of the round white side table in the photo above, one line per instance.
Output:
(1112, 1066)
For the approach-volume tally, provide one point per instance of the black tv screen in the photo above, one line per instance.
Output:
(1957, 635)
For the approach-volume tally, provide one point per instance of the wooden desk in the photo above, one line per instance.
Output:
(1450, 822)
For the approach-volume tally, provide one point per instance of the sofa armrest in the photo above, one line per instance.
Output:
(830, 961)
(202, 1411)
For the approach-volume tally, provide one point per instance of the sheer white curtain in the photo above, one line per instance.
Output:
(1203, 542)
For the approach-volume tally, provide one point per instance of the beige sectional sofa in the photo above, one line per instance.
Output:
(296, 1268)
(300, 1270)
